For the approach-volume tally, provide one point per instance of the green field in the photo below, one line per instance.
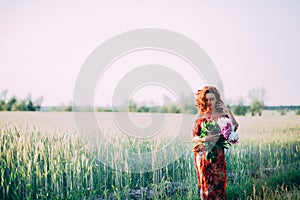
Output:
(43, 157)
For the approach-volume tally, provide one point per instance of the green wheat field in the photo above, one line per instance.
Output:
(42, 156)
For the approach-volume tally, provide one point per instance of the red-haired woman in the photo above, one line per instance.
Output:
(211, 174)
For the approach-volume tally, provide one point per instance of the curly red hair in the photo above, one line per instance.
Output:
(200, 98)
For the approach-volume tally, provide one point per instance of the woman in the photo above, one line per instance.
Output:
(211, 173)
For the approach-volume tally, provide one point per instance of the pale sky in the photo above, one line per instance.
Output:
(253, 44)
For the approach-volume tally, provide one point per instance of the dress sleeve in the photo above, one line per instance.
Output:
(197, 128)
(196, 132)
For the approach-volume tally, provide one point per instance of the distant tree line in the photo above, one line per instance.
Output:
(256, 97)
(284, 109)
(290, 108)
(186, 105)
(15, 104)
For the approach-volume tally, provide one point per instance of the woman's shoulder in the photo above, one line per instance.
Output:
(206, 116)
(202, 116)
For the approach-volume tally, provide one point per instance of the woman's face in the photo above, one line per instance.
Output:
(210, 101)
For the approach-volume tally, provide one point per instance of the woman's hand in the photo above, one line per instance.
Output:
(208, 138)
(198, 139)
(222, 106)
(211, 138)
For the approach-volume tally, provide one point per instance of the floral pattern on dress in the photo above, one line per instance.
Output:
(211, 175)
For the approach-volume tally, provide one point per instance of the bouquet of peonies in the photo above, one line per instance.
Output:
(227, 136)
(227, 130)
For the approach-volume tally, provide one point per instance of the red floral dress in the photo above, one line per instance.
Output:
(211, 174)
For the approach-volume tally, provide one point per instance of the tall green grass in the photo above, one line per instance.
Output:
(50, 165)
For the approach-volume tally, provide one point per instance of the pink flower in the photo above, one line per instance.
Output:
(226, 130)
